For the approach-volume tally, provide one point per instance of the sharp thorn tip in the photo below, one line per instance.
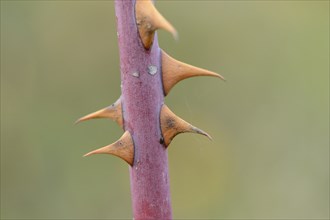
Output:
(77, 122)
(175, 35)
(221, 77)
(88, 154)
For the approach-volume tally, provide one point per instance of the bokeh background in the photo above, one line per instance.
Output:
(269, 121)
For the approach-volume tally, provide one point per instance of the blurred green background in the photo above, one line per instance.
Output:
(269, 121)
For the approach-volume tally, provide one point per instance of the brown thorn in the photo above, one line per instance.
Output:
(174, 71)
(113, 112)
(149, 20)
(123, 148)
(171, 125)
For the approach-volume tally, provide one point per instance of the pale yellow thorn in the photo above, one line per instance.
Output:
(123, 148)
(174, 71)
(172, 125)
(148, 20)
(113, 112)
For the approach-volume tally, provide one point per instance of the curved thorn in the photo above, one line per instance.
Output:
(199, 131)
(149, 20)
(113, 112)
(172, 125)
(174, 71)
(123, 148)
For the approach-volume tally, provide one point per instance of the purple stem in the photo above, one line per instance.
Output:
(142, 98)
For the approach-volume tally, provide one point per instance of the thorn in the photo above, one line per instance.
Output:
(113, 112)
(123, 148)
(149, 20)
(172, 125)
(174, 71)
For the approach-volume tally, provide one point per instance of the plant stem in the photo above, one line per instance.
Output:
(142, 98)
